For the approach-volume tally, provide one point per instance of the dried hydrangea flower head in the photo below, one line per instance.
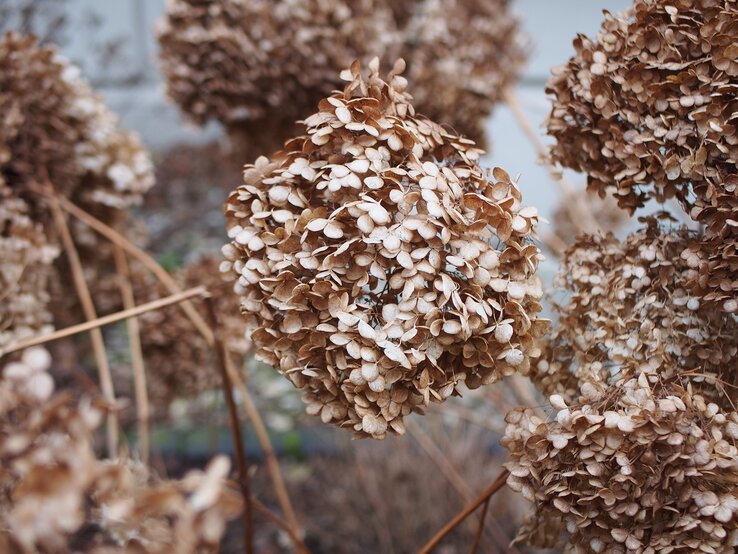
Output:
(84, 153)
(629, 309)
(257, 66)
(54, 127)
(461, 56)
(379, 266)
(24, 272)
(58, 497)
(646, 111)
(645, 469)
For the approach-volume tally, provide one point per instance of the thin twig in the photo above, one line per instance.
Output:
(478, 536)
(145, 259)
(271, 459)
(243, 467)
(88, 308)
(137, 359)
(451, 475)
(578, 211)
(278, 521)
(496, 485)
(102, 321)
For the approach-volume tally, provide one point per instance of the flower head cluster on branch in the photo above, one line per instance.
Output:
(259, 66)
(379, 266)
(647, 111)
(54, 129)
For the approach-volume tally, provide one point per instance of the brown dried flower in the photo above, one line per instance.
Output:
(647, 468)
(53, 127)
(461, 56)
(628, 310)
(647, 112)
(258, 66)
(379, 266)
(24, 271)
(56, 496)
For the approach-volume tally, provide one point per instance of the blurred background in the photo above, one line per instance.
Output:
(350, 496)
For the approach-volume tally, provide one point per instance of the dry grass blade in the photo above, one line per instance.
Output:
(88, 307)
(496, 485)
(137, 360)
(243, 469)
(105, 320)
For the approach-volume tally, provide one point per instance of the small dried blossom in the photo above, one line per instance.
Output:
(604, 211)
(378, 265)
(24, 271)
(647, 111)
(57, 496)
(650, 467)
(628, 309)
(258, 66)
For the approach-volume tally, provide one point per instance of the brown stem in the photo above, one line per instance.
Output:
(137, 359)
(496, 485)
(480, 527)
(88, 308)
(241, 461)
(271, 459)
(102, 321)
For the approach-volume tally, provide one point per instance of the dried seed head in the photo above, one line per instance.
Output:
(58, 497)
(644, 469)
(376, 238)
(629, 310)
(258, 66)
(461, 56)
(646, 111)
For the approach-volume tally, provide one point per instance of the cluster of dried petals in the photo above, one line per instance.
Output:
(26, 264)
(257, 66)
(378, 265)
(461, 56)
(648, 468)
(179, 361)
(628, 309)
(84, 154)
(58, 497)
(54, 129)
(647, 111)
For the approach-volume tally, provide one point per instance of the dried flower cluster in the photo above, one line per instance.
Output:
(379, 266)
(461, 56)
(647, 111)
(650, 467)
(259, 66)
(56, 496)
(54, 129)
(25, 266)
(642, 454)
